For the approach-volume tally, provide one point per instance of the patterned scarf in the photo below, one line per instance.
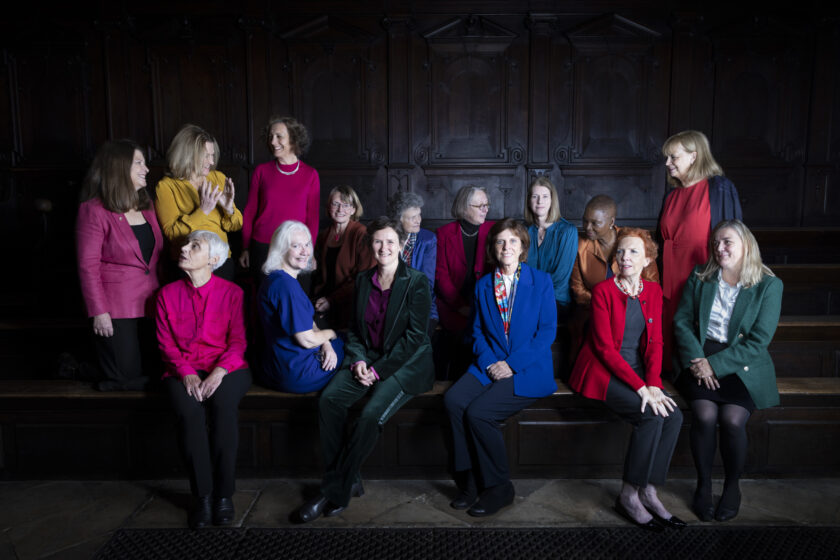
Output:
(409, 248)
(503, 299)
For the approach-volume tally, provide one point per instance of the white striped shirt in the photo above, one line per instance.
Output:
(722, 307)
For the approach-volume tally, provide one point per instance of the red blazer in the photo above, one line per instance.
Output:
(451, 272)
(599, 359)
(113, 275)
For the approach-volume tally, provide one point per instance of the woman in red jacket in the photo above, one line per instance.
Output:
(620, 364)
(118, 244)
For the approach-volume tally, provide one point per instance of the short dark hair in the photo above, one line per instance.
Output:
(298, 135)
(601, 202)
(384, 222)
(516, 227)
(109, 178)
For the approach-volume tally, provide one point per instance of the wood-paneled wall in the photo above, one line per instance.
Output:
(422, 96)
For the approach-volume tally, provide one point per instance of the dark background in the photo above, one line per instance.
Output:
(422, 96)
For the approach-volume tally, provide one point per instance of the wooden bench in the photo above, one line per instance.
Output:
(65, 429)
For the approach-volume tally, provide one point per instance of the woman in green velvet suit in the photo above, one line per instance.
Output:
(387, 356)
(726, 319)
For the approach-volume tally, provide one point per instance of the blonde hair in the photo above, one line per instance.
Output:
(347, 196)
(704, 165)
(752, 269)
(187, 150)
(553, 211)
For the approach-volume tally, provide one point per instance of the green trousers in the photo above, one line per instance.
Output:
(343, 456)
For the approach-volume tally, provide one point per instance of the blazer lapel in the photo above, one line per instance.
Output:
(128, 238)
(396, 301)
(707, 297)
(742, 303)
(362, 297)
(521, 303)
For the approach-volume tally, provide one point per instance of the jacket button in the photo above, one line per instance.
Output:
(147, 272)
(740, 335)
(746, 368)
(650, 320)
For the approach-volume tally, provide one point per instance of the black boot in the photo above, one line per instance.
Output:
(199, 515)
(465, 480)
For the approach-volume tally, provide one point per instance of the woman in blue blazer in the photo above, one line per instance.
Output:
(514, 325)
(420, 249)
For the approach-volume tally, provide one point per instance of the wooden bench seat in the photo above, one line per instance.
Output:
(66, 429)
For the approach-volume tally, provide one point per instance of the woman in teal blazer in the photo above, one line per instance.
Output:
(515, 323)
(726, 319)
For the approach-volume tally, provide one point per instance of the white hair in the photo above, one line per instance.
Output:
(215, 245)
(281, 240)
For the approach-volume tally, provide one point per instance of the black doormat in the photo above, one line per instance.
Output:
(736, 543)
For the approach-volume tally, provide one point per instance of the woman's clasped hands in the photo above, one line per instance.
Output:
(703, 373)
(660, 403)
(364, 374)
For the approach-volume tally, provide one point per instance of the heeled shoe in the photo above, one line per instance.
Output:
(223, 511)
(356, 491)
(199, 516)
(703, 505)
(672, 522)
(312, 510)
(492, 500)
(729, 504)
(651, 525)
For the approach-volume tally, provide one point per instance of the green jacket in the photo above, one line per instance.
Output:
(751, 328)
(406, 350)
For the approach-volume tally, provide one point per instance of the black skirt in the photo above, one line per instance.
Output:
(731, 391)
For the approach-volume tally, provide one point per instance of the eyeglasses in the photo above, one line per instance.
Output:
(481, 206)
(343, 205)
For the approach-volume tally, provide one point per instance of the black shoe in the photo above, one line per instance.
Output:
(223, 511)
(672, 522)
(313, 509)
(199, 515)
(356, 491)
(492, 500)
(729, 504)
(651, 525)
(468, 491)
(703, 506)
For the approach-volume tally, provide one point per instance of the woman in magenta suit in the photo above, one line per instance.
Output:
(620, 364)
(118, 243)
(460, 263)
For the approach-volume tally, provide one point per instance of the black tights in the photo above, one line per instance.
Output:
(733, 440)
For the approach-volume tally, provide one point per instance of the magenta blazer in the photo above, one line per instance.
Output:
(451, 272)
(114, 277)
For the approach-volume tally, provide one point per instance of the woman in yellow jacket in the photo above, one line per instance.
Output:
(194, 196)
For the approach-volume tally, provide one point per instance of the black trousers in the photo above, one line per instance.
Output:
(653, 439)
(128, 358)
(210, 457)
(475, 413)
(342, 456)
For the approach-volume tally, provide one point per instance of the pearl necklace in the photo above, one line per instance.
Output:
(277, 165)
(624, 291)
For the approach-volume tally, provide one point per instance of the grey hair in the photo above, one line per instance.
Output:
(215, 246)
(462, 200)
(401, 202)
(281, 242)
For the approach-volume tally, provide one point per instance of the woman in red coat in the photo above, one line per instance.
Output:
(620, 364)
(118, 243)
(460, 263)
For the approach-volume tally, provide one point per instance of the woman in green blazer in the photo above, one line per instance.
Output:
(388, 356)
(725, 321)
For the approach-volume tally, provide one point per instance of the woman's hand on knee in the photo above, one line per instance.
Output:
(329, 359)
(192, 383)
(212, 382)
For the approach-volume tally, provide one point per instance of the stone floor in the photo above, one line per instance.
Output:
(72, 519)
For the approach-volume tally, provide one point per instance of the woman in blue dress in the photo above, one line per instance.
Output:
(298, 357)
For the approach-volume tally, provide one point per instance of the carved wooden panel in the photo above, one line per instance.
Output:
(339, 78)
(638, 202)
(470, 69)
(620, 70)
(769, 196)
(52, 99)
